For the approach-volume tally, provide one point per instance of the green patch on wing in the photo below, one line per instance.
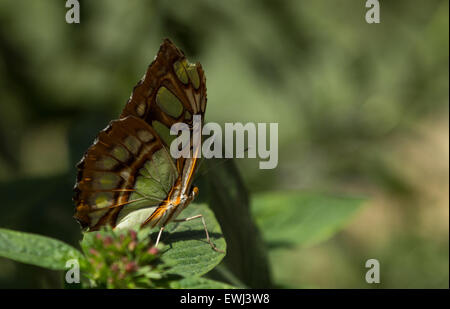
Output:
(163, 132)
(153, 183)
(168, 102)
(193, 75)
(186, 71)
(180, 70)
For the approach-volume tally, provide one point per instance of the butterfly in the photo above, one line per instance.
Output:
(127, 178)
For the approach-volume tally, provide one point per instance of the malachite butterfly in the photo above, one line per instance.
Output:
(127, 178)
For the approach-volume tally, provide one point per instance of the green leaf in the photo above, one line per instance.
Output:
(293, 218)
(36, 250)
(188, 253)
(227, 196)
(199, 283)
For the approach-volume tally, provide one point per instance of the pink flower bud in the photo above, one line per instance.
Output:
(132, 245)
(98, 266)
(133, 235)
(107, 241)
(153, 251)
(131, 267)
(114, 267)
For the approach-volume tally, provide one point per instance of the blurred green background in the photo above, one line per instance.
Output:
(362, 110)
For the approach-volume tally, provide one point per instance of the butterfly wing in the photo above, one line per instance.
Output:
(127, 173)
(171, 91)
(123, 176)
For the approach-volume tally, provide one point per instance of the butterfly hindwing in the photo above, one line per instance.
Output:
(126, 168)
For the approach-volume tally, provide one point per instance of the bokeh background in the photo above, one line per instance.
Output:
(362, 110)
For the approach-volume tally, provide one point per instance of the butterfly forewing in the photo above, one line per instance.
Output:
(171, 91)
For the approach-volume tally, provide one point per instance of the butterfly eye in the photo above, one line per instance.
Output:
(194, 191)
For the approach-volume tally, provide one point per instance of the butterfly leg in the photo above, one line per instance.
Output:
(213, 246)
(159, 236)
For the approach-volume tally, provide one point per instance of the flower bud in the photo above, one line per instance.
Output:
(153, 251)
(114, 267)
(107, 241)
(132, 245)
(133, 235)
(131, 267)
(93, 251)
